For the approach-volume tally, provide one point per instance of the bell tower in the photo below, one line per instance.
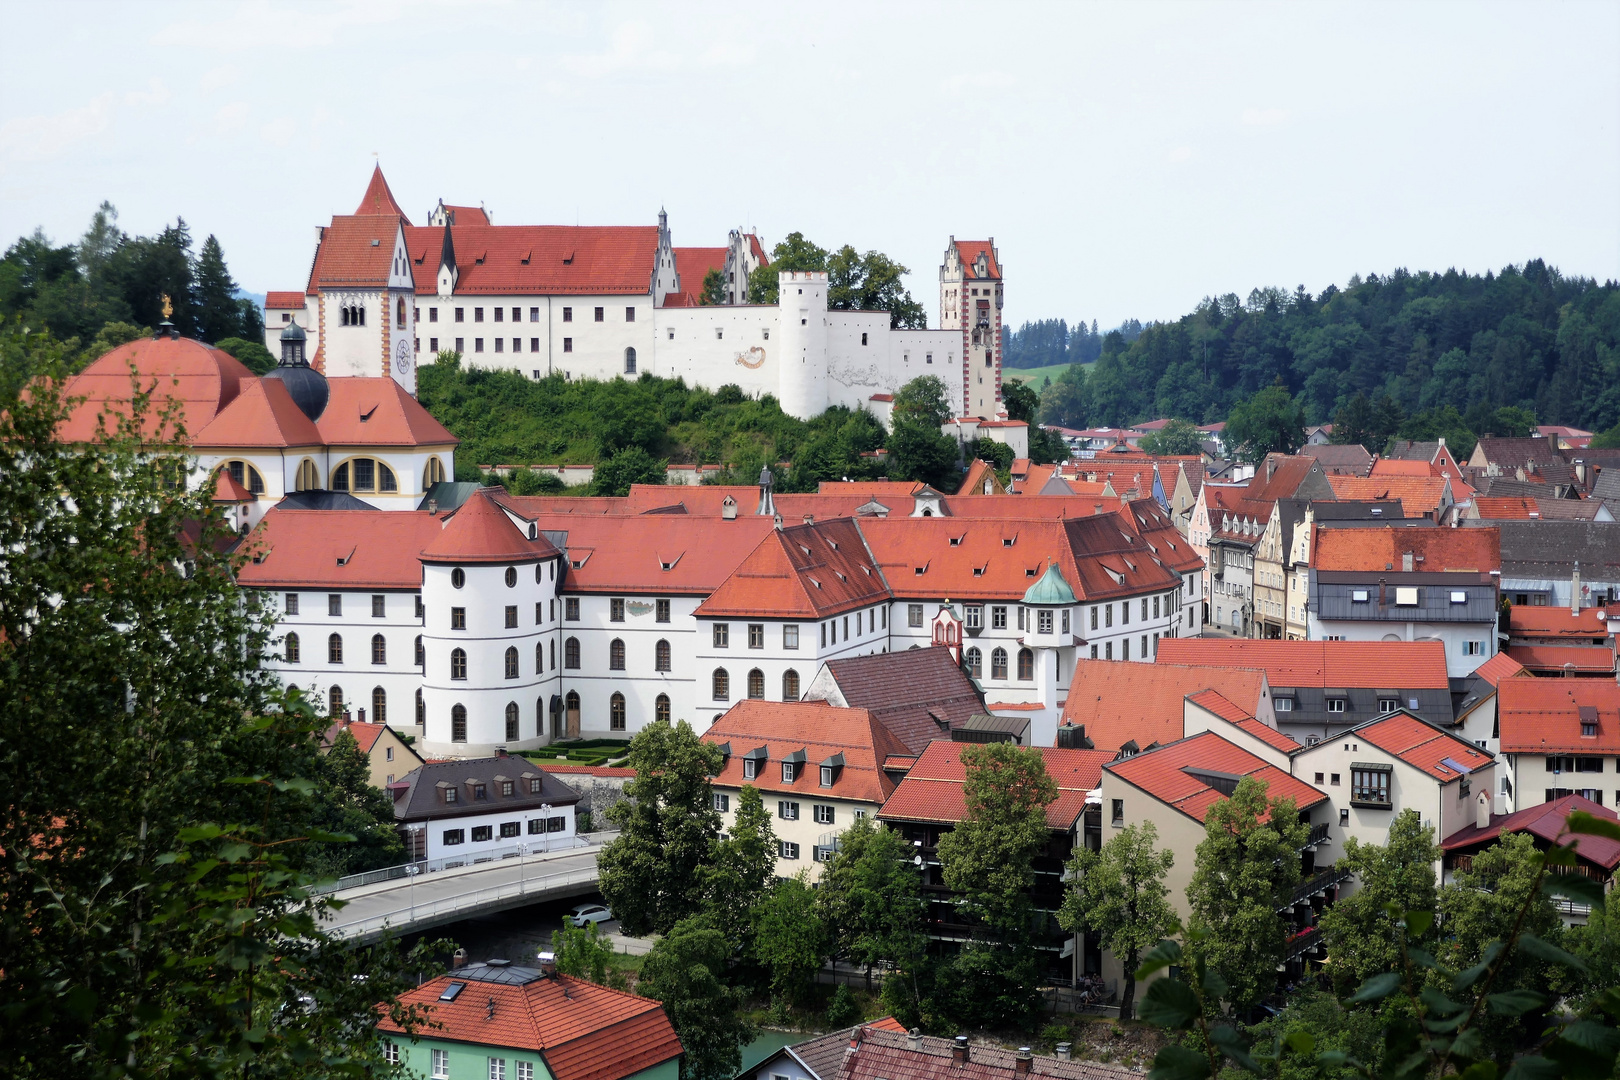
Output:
(970, 300)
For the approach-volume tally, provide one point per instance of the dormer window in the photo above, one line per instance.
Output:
(790, 772)
(508, 788)
(480, 792)
(451, 795)
(535, 785)
(826, 776)
(750, 769)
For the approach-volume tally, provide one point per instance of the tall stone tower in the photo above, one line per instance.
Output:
(970, 301)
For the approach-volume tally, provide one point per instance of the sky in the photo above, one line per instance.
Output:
(1128, 159)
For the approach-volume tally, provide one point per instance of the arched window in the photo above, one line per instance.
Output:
(458, 663)
(432, 473)
(1026, 664)
(399, 317)
(661, 708)
(421, 653)
(458, 578)
(556, 716)
(722, 685)
(334, 702)
(308, 477)
(293, 653)
(616, 712)
(539, 658)
(379, 649)
(756, 684)
(458, 723)
(539, 717)
(551, 651)
(379, 705)
(790, 685)
(363, 474)
(511, 721)
(661, 656)
(629, 361)
(421, 708)
(998, 663)
(246, 475)
(571, 713)
(511, 662)
(571, 654)
(616, 655)
(975, 663)
(334, 649)
(511, 577)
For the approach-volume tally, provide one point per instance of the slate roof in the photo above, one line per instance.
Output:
(1549, 549)
(822, 732)
(1351, 459)
(918, 694)
(1168, 774)
(322, 500)
(932, 790)
(417, 795)
(1545, 821)
(1120, 701)
(1544, 716)
(1409, 450)
(878, 1052)
(1516, 453)
(583, 1031)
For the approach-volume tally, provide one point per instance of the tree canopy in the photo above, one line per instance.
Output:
(855, 282)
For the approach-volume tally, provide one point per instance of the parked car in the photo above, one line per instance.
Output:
(588, 913)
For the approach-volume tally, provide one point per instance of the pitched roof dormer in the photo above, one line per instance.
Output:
(448, 273)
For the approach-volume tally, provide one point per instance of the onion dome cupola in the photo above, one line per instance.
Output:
(306, 386)
(1049, 601)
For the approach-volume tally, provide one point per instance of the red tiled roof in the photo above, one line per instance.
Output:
(1148, 519)
(613, 553)
(378, 411)
(468, 215)
(202, 379)
(539, 260)
(1423, 746)
(1551, 659)
(1119, 701)
(366, 734)
(357, 252)
(1542, 716)
(811, 571)
(1419, 495)
(1499, 667)
(694, 263)
(378, 199)
(227, 490)
(1237, 716)
(479, 531)
(881, 1052)
(1409, 665)
(821, 731)
(932, 790)
(1163, 774)
(301, 549)
(263, 415)
(1556, 623)
(584, 1031)
(1546, 821)
(968, 251)
(1506, 507)
(977, 473)
(281, 301)
(1378, 550)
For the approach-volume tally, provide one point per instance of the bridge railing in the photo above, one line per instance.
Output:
(449, 862)
(462, 902)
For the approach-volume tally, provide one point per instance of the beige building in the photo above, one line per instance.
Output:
(391, 759)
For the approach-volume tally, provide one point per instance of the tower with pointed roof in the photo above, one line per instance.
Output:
(970, 299)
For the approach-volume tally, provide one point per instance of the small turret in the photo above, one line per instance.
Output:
(306, 386)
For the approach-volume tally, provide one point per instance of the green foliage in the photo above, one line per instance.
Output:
(1363, 937)
(988, 858)
(790, 939)
(871, 898)
(1270, 422)
(999, 455)
(1119, 894)
(713, 290)
(253, 355)
(346, 802)
(738, 874)
(583, 952)
(1441, 422)
(1372, 424)
(1527, 336)
(1176, 437)
(162, 842)
(918, 447)
(855, 282)
(110, 336)
(1246, 868)
(630, 465)
(842, 1008)
(1067, 402)
(668, 827)
(687, 972)
(1607, 440)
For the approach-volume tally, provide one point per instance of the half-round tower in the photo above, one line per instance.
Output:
(802, 301)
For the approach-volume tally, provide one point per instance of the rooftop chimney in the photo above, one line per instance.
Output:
(914, 1039)
(500, 751)
(1063, 1051)
(458, 958)
(548, 963)
(1575, 590)
(433, 506)
(959, 1050)
(1023, 1061)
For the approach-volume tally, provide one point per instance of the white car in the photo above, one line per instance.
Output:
(588, 913)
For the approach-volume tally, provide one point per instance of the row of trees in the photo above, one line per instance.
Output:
(167, 808)
(108, 287)
(1528, 337)
(1050, 342)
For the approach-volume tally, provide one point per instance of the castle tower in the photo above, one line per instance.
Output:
(802, 305)
(970, 301)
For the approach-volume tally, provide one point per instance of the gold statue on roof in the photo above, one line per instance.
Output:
(168, 308)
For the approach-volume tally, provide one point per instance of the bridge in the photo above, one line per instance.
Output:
(423, 895)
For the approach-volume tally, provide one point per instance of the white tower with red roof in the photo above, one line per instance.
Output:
(970, 301)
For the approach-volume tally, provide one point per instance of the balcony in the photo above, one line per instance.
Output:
(1318, 836)
(1321, 883)
(1306, 940)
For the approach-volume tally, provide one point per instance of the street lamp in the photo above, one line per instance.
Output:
(545, 813)
(417, 830)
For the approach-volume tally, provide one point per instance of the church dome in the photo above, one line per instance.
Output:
(304, 384)
(294, 332)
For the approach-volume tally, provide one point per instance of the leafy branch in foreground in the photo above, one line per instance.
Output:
(1441, 1030)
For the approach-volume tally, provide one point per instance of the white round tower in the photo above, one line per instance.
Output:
(803, 351)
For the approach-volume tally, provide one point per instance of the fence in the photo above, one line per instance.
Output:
(439, 910)
(449, 862)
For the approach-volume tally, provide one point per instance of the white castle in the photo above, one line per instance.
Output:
(616, 301)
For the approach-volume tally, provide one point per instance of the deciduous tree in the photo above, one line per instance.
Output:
(790, 940)
(1270, 422)
(688, 972)
(870, 897)
(1361, 934)
(988, 858)
(1176, 437)
(1119, 894)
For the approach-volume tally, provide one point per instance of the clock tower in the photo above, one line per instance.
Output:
(399, 342)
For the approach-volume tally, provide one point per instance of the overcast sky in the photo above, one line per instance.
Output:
(1128, 159)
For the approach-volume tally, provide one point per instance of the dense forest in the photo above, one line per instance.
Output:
(1527, 338)
(108, 287)
(1048, 342)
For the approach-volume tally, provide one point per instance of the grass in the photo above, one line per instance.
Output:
(1036, 374)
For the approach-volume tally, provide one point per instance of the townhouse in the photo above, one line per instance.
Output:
(1559, 737)
(388, 755)
(477, 809)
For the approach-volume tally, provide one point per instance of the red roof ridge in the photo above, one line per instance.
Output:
(378, 199)
(480, 531)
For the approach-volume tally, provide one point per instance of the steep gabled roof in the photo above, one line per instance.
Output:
(809, 571)
(378, 199)
(377, 411)
(694, 263)
(1546, 822)
(262, 415)
(1423, 746)
(919, 694)
(538, 260)
(1220, 705)
(823, 732)
(968, 251)
(1170, 774)
(932, 790)
(356, 252)
(1499, 667)
(1120, 701)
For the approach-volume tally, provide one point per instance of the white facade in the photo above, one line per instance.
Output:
(453, 837)
(366, 672)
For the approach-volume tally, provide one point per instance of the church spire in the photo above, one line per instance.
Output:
(378, 200)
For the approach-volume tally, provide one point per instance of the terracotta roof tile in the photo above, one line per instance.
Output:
(694, 263)
(821, 731)
(1543, 716)
(1239, 717)
(227, 490)
(1551, 659)
(262, 415)
(1163, 773)
(378, 199)
(344, 549)
(968, 251)
(365, 734)
(202, 379)
(479, 531)
(630, 554)
(932, 790)
(1555, 623)
(1423, 746)
(282, 301)
(1409, 665)
(377, 411)
(1120, 701)
(880, 1052)
(1499, 667)
(538, 260)
(1546, 821)
(1379, 550)
(811, 571)
(1419, 495)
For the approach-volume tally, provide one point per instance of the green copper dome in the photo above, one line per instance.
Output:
(1051, 590)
